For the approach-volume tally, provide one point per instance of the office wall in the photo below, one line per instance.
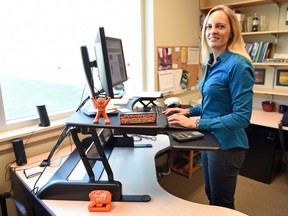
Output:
(176, 23)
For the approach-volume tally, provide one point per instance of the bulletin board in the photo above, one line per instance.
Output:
(174, 59)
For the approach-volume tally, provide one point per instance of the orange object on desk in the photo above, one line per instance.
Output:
(101, 104)
(100, 201)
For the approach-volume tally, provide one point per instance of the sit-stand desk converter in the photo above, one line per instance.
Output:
(59, 188)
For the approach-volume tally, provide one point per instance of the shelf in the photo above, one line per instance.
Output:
(271, 64)
(269, 91)
(206, 6)
(274, 32)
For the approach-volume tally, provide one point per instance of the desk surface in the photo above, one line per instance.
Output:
(135, 169)
(81, 119)
(209, 142)
(267, 119)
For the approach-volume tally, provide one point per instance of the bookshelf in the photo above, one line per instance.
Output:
(275, 33)
(270, 64)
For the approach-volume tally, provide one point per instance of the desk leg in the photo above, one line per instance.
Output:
(102, 155)
(82, 154)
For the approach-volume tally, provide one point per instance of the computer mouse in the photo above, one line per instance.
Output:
(173, 105)
(172, 102)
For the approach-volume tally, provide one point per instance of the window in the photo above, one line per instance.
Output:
(40, 51)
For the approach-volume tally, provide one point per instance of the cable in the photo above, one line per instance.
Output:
(82, 94)
(32, 133)
(141, 137)
(8, 166)
(34, 187)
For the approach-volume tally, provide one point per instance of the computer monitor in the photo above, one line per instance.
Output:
(88, 65)
(110, 62)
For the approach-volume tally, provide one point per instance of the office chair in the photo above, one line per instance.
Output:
(21, 210)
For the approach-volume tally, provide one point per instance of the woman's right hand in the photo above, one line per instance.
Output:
(170, 111)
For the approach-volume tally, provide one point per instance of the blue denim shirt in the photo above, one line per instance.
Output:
(227, 94)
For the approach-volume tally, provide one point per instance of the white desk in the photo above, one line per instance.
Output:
(135, 169)
(267, 119)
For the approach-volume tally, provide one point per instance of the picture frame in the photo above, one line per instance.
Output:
(282, 77)
(164, 58)
(260, 76)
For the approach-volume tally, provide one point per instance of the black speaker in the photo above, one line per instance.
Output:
(19, 151)
(44, 119)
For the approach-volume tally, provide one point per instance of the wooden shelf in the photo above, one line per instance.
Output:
(273, 32)
(271, 64)
(182, 162)
(206, 5)
(269, 91)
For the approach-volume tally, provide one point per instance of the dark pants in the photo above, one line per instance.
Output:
(220, 172)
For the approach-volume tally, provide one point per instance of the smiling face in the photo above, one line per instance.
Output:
(218, 32)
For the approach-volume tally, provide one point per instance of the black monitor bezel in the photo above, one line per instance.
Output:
(105, 76)
(87, 64)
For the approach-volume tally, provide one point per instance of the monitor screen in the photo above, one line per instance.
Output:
(110, 62)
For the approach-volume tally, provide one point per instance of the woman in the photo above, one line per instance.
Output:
(227, 92)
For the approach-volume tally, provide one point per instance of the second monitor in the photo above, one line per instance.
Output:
(110, 63)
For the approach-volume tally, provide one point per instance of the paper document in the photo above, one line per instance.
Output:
(121, 101)
(166, 80)
(169, 80)
(193, 56)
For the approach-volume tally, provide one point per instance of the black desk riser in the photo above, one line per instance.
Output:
(103, 142)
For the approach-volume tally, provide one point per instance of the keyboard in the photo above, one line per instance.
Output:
(159, 110)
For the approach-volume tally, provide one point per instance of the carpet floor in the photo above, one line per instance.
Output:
(252, 197)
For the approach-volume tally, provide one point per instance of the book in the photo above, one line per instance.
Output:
(262, 51)
(248, 47)
(267, 50)
(254, 50)
(258, 51)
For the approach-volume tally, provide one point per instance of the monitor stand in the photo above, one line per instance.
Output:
(146, 103)
(60, 188)
(119, 90)
(119, 94)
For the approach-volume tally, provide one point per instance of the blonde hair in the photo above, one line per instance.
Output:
(235, 44)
